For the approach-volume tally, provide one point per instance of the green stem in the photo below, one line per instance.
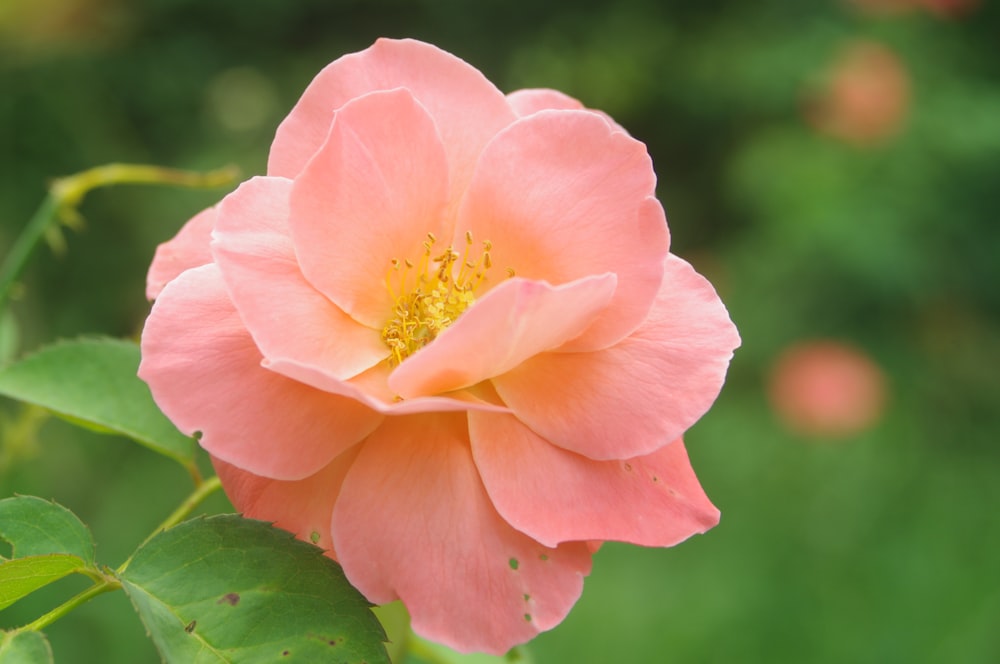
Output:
(105, 585)
(24, 245)
(107, 581)
(201, 492)
(65, 194)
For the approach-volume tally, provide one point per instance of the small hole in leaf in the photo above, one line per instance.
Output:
(527, 597)
(514, 564)
(314, 537)
(527, 617)
(543, 557)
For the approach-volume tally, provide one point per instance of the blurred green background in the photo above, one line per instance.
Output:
(834, 168)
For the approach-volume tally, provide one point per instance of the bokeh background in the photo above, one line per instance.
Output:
(832, 165)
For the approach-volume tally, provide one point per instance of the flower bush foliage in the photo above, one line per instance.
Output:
(444, 339)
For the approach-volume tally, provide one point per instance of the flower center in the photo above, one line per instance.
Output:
(431, 294)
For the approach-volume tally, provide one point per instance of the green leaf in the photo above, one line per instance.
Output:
(36, 527)
(24, 648)
(23, 576)
(93, 382)
(229, 589)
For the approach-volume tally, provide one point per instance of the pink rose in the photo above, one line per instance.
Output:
(444, 339)
(827, 388)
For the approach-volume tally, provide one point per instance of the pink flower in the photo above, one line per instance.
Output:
(867, 96)
(827, 388)
(444, 339)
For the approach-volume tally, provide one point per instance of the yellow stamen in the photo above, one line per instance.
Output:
(432, 300)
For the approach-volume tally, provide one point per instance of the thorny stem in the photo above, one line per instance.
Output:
(65, 194)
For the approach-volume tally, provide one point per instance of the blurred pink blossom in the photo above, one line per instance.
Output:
(866, 97)
(826, 388)
(443, 338)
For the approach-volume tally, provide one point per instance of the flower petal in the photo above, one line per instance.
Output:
(531, 100)
(204, 372)
(414, 523)
(556, 496)
(254, 252)
(303, 507)
(562, 195)
(187, 249)
(515, 321)
(371, 389)
(467, 109)
(648, 388)
(370, 195)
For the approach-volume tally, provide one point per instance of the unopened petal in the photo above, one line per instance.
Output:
(413, 522)
(204, 372)
(650, 387)
(554, 495)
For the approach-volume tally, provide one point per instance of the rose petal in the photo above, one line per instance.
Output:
(204, 372)
(414, 523)
(514, 321)
(255, 254)
(187, 249)
(650, 387)
(561, 195)
(467, 109)
(371, 389)
(531, 100)
(370, 196)
(556, 496)
(303, 507)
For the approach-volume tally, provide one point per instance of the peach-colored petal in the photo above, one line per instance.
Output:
(370, 195)
(561, 195)
(303, 507)
(650, 387)
(371, 389)
(467, 109)
(516, 320)
(413, 522)
(531, 100)
(254, 252)
(204, 372)
(556, 496)
(187, 249)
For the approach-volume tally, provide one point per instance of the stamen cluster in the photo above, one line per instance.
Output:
(430, 300)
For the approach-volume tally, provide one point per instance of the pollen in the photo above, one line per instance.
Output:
(431, 293)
